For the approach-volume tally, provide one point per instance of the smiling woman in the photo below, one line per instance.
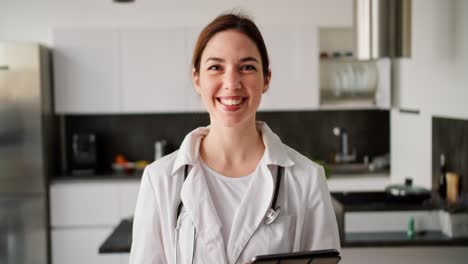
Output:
(233, 190)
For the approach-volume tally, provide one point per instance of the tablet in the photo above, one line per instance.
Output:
(329, 256)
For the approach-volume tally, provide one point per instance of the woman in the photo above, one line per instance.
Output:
(233, 190)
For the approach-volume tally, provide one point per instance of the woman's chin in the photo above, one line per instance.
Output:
(232, 121)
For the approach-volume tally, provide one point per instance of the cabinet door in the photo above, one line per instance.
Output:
(91, 203)
(383, 93)
(294, 65)
(194, 102)
(81, 245)
(128, 193)
(86, 71)
(411, 148)
(153, 72)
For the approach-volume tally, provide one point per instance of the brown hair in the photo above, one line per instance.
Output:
(225, 22)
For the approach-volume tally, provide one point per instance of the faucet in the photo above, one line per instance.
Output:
(344, 156)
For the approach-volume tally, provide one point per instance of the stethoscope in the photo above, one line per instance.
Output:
(270, 217)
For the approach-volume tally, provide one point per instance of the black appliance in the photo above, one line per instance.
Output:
(84, 153)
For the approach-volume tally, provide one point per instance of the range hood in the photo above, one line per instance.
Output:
(383, 28)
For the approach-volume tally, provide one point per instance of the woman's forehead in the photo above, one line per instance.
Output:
(230, 43)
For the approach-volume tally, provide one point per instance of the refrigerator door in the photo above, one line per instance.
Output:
(24, 141)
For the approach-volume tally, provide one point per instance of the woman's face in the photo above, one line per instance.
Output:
(230, 80)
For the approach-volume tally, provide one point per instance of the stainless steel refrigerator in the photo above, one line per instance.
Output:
(26, 153)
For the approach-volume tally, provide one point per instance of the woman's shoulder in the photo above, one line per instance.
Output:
(161, 169)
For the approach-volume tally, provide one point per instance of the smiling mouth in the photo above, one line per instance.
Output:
(232, 101)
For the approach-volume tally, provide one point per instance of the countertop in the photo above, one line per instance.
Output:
(400, 239)
(97, 177)
(120, 240)
(380, 201)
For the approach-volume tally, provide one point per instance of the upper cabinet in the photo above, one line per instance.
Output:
(294, 66)
(153, 72)
(193, 99)
(120, 71)
(149, 70)
(86, 71)
(345, 81)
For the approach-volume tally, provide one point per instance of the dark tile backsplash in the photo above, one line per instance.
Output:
(309, 132)
(450, 137)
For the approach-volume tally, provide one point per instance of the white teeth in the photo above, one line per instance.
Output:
(230, 101)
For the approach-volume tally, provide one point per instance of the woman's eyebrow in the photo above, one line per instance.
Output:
(222, 60)
(248, 59)
(214, 59)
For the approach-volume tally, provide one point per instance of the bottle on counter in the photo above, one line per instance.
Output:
(442, 179)
(410, 230)
(159, 149)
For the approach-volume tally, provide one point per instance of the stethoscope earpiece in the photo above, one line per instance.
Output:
(272, 215)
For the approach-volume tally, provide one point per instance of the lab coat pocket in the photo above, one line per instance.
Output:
(186, 239)
(279, 235)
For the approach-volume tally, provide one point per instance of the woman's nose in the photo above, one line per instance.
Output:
(232, 79)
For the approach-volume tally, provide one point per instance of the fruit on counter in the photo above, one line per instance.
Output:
(120, 159)
(141, 164)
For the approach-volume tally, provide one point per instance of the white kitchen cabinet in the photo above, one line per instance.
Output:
(193, 99)
(83, 215)
(153, 72)
(81, 245)
(293, 56)
(128, 194)
(86, 71)
(426, 81)
(410, 140)
(84, 204)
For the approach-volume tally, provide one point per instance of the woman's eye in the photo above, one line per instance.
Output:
(214, 67)
(248, 68)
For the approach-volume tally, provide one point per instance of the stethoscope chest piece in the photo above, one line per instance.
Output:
(272, 215)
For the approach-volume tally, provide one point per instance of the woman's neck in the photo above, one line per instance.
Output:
(232, 151)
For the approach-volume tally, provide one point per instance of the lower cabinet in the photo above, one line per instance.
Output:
(80, 245)
(84, 213)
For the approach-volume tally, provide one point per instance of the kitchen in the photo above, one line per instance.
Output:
(427, 101)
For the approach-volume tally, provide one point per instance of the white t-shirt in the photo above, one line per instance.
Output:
(227, 194)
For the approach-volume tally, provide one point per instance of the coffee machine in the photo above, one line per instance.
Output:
(84, 153)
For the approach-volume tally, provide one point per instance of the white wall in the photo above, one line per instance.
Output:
(32, 20)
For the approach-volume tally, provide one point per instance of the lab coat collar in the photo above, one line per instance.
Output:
(275, 151)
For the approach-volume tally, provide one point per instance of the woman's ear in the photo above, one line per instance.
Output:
(196, 80)
(266, 82)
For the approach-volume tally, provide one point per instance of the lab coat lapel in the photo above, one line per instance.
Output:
(251, 212)
(197, 201)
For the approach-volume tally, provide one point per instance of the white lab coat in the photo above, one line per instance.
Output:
(306, 221)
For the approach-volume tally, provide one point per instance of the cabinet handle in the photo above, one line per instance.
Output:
(409, 111)
(4, 68)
